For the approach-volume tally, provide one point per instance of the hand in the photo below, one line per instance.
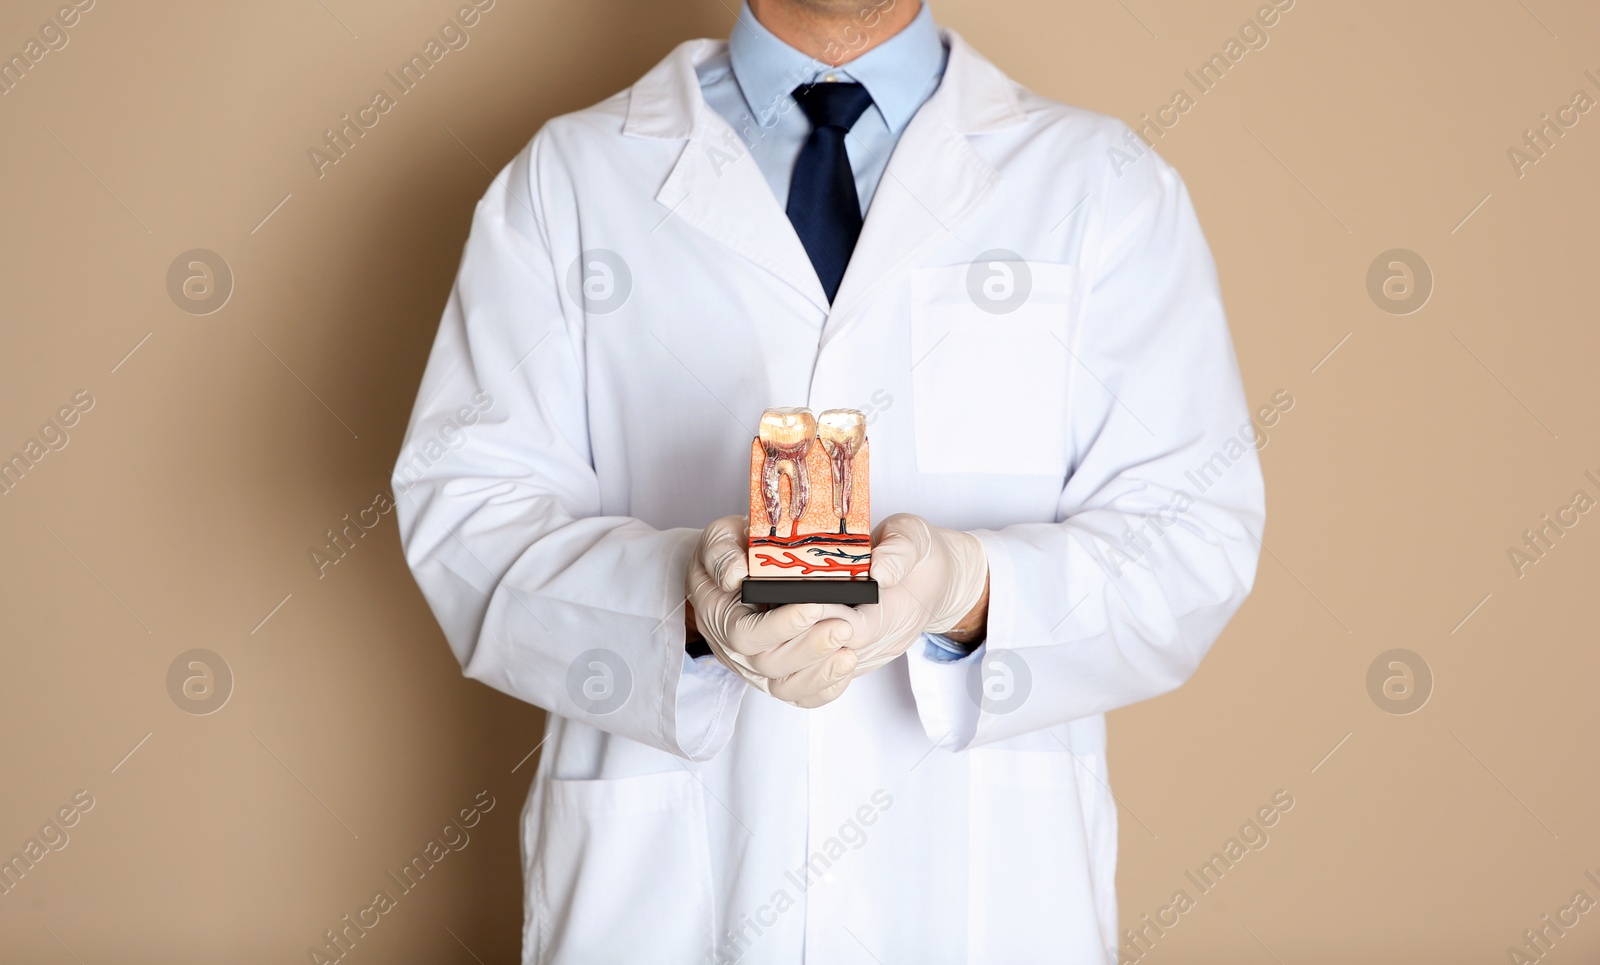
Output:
(930, 580)
(795, 653)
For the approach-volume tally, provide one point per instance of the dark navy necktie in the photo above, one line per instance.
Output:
(823, 205)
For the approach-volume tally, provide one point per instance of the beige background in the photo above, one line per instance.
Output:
(182, 511)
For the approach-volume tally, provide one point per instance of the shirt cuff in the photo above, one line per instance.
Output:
(942, 649)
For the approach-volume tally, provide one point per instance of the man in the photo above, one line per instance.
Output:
(1038, 337)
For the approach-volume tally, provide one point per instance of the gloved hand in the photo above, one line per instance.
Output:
(928, 580)
(795, 653)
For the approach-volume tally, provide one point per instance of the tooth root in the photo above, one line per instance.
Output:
(800, 490)
(769, 491)
(842, 481)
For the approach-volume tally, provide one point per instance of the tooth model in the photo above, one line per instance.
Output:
(786, 436)
(805, 550)
(842, 433)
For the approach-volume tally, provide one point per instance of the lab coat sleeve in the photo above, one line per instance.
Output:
(1159, 522)
(539, 594)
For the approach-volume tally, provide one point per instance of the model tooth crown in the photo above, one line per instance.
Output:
(787, 429)
(842, 431)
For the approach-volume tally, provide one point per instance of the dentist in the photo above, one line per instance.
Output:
(841, 203)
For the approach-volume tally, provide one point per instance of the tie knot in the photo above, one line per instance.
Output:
(832, 104)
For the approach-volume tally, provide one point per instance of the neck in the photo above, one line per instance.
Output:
(834, 31)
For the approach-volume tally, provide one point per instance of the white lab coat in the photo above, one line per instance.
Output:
(577, 425)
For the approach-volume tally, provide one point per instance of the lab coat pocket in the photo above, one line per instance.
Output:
(989, 366)
(622, 864)
(1030, 859)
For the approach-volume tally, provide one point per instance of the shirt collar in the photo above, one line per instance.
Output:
(899, 73)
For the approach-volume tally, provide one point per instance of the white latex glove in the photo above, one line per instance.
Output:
(795, 653)
(928, 580)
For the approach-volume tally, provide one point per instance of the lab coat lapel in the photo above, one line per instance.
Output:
(718, 188)
(716, 185)
(935, 181)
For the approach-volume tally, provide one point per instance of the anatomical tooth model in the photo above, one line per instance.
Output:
(804, 550)
(842, 432)
(786, 436)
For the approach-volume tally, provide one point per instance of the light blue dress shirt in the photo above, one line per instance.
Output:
(752, 87)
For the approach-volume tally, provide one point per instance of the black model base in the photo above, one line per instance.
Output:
(777, 591)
